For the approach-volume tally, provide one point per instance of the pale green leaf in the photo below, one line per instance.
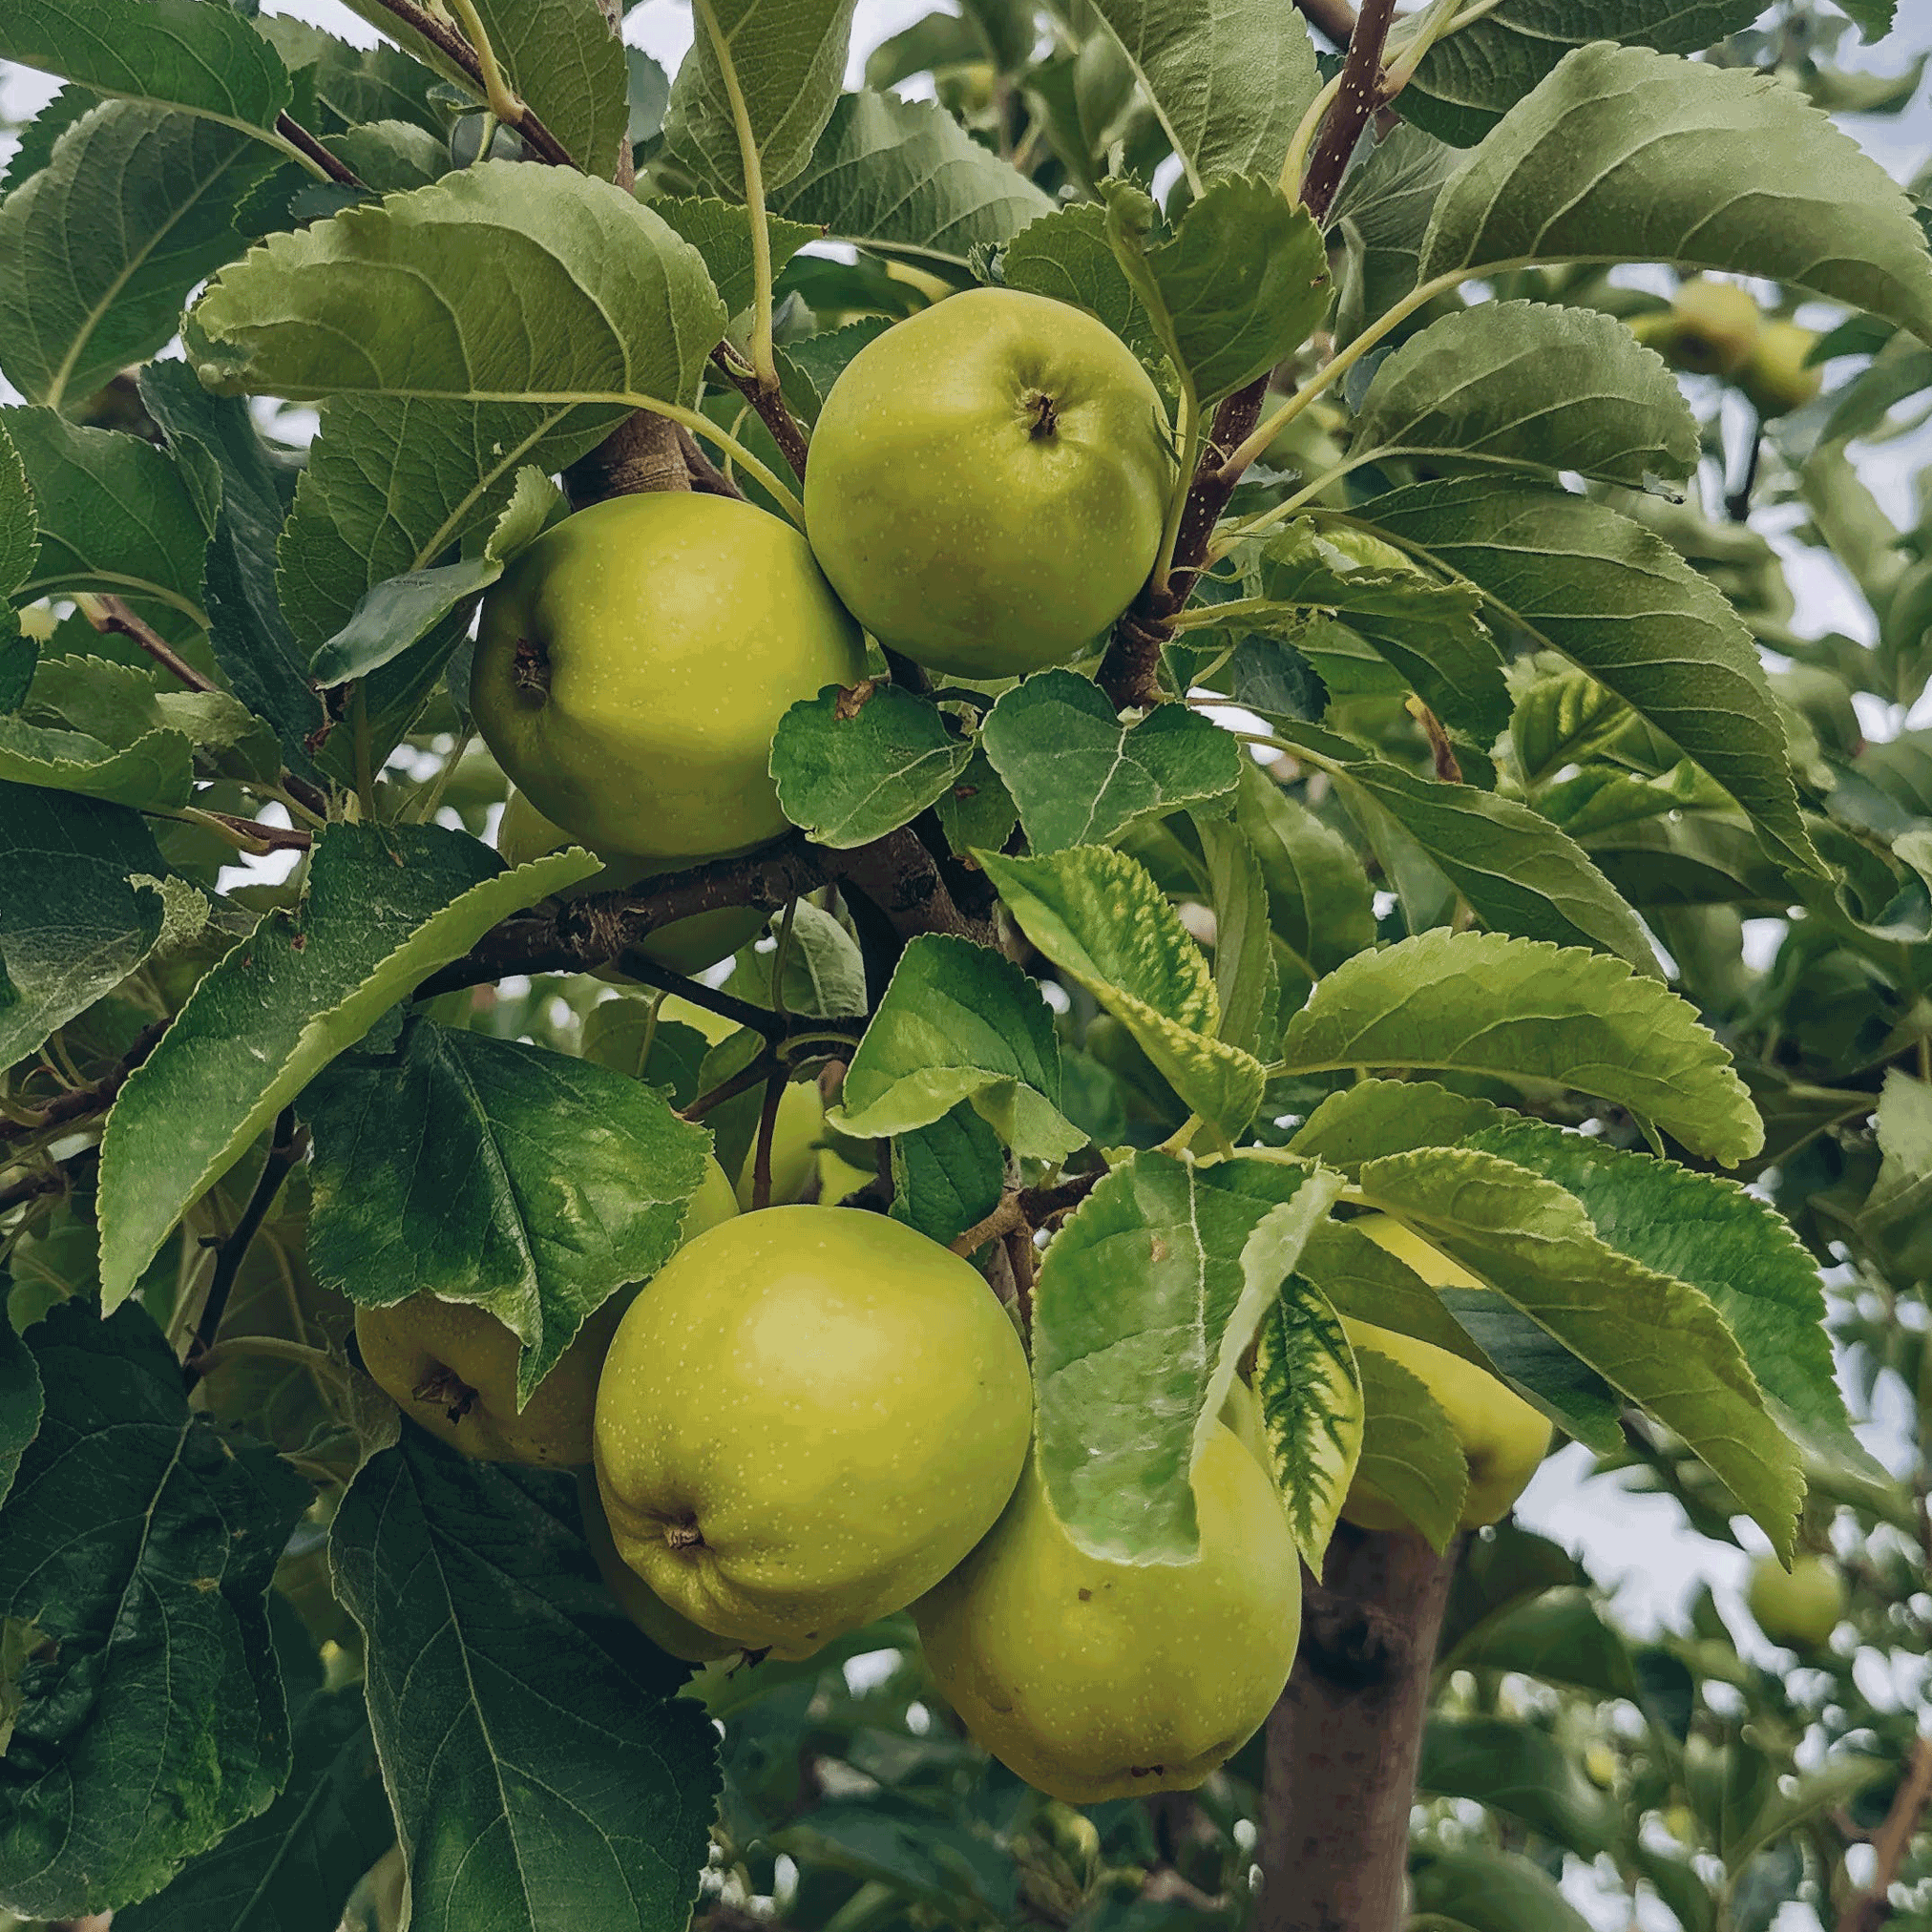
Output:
(1320, 899)
(1312, 1411)
(384, 907)
(1410, 1455)
(1146, 1299)
(1246, 983)
(1592, 166)
(1079, 776)
(564, 60)
(1101, 918)
(853, 766)
(1485, 1003)
(1562, 719)
(720, 232)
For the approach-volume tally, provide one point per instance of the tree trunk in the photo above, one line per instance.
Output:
(1343, 1742)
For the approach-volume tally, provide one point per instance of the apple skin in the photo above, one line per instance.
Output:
(685, 946)
(675, 1635)
(988, 483)
(1798, 1608)
(1712, 329)
(671, 631)
(448, 1349)
(1777, 378)
(1096, 1680)
(807, 1417)
(1502, 1437)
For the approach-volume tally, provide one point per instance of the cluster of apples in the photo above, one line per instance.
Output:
(814, 1416)
(1716, 328)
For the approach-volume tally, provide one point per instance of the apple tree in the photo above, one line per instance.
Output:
(912, 1286)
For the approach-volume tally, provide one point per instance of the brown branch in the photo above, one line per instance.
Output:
(109, 615)
(286, 1152)
(1871, 1907)
(1027, 1209)
(760, 1155)
(705, 475)
(1448, 767)
(1335, 18)
(642, 454)
(96, 1097)
(741, 1082)
(48, 1181)
(770, 405)
(1344, 1741)
(300, 138)
(453, 47)
(1359, 94)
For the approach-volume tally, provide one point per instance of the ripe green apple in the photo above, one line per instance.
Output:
(685, 946)
(1710, 330)
(452, 1365)
(988, 483)
(1097, 1680)
(806, 1420)
(1799, 1607)
(1502, 1435)
(675, 1635)
(632, 664)
(1777, 378)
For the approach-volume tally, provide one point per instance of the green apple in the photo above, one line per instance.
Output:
(1502, 1435)
(807, 1418)
(988, 482)
(452, 1365)
(632, 664)
(675, 1635)
(1097, 1680)
(1710, 330)
(685, 946)
(1777, 378)
(1799, 1607)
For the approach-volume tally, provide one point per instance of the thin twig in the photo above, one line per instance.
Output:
(304, 142)
(1027, 1208)
(47, 1181)
(767, 1126)
(772, 409)
(1361, 92)
(96, 1097)
(452, 45)
(109, 615)
(741, 1082)
(1871, 1907)
(714, 999)
(285, 1151)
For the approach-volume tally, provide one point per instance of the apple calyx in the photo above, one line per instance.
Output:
(448, 1391)
(1046, 414)
(530, 671)
(684, 1535)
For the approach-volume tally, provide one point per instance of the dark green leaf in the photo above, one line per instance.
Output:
(947, 1177)
(853, 766)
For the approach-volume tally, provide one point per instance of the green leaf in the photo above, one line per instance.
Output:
(119, 703)
(115, 514)
(562, 57)
(1486, 1891)
(905, 177)
(1660, 1341)
(1099, 915)
(1527, 385)
(1621, 605)
(491, 1172)
(809, 365)
(1523, 1770)
(853, 766)
(720, 232)
(1245, 981)
(178, 52)
(382, 908)
(1381, 214)
(1239, 283)
(825, 972)
(1067, 255)
(73, 923)
(1079, 776)
(1146, 1299)
(22, 1404)
(1312, 1411)
(1229, 78)
(1471, 77)
(1562, 719)
(292, 1868)
(959, 1022)
(1518, 871)
(1429, 631)
(1410, 1453)
(976, 810)
(767, 70)
(544, 1772)
(1483, 1003)
(139, 1543)
(153, 193)
(426, 296)
(1591, 166)
(152, 768)
(1319, 900)
(947, 1177)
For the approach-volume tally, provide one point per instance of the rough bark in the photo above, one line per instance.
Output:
(1344, 1740)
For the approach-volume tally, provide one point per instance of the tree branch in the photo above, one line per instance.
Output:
(453, 47)
(1360, 94)
(1873, 1907)
(1335, 18)
(96, 1097)
(286, 1152)
(304, 142)
(111, 616)
(1343, 1743)
(770, 405)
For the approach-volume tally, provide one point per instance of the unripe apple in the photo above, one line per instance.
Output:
(1096, 1680)
(675, 1635)
(1799, 1607)
(452, 1365)
(1777, 378)
(1502, 1435)
(988, 483)
(632, 664)
(1713, 328)
(685, 946)
(805, 1421)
